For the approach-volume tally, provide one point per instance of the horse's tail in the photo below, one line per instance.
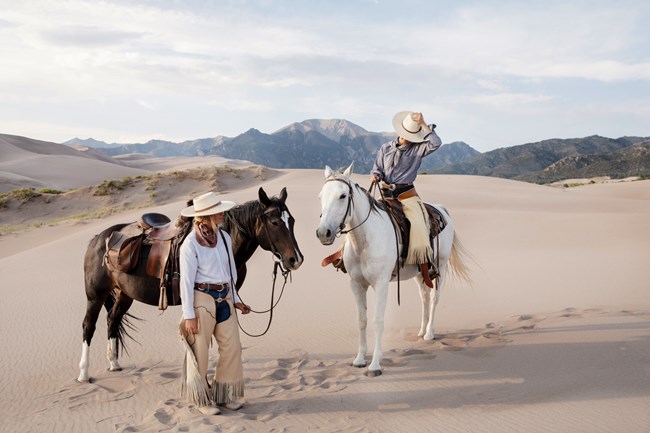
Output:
(458, 260)
(124, 326)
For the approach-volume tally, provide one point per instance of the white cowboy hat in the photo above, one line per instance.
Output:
(407, 128)
(207, 204)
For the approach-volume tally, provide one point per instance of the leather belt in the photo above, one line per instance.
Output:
(208, 287)
(400, 191)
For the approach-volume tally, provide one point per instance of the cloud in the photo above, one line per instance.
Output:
(86, 36)
(507, 99)
(286, 61)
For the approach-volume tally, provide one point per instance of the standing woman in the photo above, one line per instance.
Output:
(207, 280)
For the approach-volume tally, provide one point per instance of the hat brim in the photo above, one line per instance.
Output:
(399, 128)
(221, 207)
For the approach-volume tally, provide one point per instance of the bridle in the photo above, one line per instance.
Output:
(277, 263)
(348, 210)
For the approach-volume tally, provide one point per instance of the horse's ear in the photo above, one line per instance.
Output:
(348, 171)
(283, 194)
(328, 171)
(264, 199)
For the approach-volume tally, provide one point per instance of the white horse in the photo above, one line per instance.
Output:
(370, 256)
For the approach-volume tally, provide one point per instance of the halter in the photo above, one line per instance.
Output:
(348, 210)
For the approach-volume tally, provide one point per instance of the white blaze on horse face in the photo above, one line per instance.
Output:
(285, 218)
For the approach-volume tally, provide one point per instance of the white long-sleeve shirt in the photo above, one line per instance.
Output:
(199, 264)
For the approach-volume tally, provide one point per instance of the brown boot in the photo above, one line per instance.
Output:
(335, 260)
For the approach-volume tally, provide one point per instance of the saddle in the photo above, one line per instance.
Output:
(436, 225)
(396, 210)
(164, 237)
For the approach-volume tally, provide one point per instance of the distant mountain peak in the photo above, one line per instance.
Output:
(333, 129)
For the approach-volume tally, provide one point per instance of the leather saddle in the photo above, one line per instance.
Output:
(164, 237)
(436, 221)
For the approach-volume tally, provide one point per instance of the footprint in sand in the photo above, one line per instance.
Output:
(104, 390)
(277, 374)
(393, 363)
(453, 343)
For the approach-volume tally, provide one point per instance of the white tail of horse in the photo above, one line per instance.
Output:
(458, 261)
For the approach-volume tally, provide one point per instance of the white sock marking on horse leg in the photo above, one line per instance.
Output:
(111, 354)
(84, 363)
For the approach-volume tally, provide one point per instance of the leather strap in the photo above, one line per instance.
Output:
(208, 287)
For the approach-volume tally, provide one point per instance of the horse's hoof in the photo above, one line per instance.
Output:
(87, 380)
(358, 366)
(115, 369)
(373, 373)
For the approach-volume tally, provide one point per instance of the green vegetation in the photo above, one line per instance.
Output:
(109, 187)
(51, 191)
(24, 194)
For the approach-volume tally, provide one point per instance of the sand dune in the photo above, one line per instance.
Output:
(552, 336)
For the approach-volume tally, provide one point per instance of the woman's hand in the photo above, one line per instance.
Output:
(417, 117)
(245, 309)
(192, 326)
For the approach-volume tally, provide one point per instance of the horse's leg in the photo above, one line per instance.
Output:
(115, 329)
(430, 334)
(425, 296)
(93, 307)
(381, 290)
(360, 292)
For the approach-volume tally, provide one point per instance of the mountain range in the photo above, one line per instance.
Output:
(309, 144)
(315, 143)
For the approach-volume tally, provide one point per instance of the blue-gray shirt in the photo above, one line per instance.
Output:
(408, 163)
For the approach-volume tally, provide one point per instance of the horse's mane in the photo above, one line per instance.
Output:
(243, 217)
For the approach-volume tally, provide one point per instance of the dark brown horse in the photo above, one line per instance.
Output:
(265, 223)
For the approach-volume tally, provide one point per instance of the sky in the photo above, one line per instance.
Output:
(490, 73)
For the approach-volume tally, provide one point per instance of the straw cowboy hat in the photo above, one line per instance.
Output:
(407, 128)
(207, 204)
